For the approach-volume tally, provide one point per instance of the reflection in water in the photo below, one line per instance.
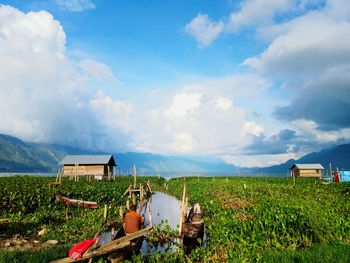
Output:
(164, 207)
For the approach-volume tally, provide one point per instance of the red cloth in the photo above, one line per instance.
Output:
(78, 250)
(337, 177)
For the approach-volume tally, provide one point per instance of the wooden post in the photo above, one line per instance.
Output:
(121, 213)
(294, 179)
(128, 204)
(141, 192)
(134, 175)
(109, 173)
(150, 221)
(185, 209)
(105, 213)
(134, 199)
(182, 207)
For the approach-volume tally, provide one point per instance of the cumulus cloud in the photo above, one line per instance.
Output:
(201, 118)
(76, 5)
(183, 104)
(305, 45)
(310, 54)
(44, 96)
(257, 12)
(204, 30)
(98, 71)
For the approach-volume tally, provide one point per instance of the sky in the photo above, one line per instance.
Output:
(251, 82)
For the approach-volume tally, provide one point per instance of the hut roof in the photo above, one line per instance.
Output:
(307, 166)
(88, 159)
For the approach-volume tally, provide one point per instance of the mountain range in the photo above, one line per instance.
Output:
(338, 156)
(19, 156)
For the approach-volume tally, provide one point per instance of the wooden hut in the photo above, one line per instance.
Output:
(97, 167)
(314, 170)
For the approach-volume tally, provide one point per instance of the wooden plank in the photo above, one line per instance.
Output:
(127, 190)
(92, 254)
(109, 247)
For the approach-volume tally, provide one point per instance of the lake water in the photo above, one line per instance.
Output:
(164, 207)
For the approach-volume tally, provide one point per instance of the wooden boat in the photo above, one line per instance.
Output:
(193, 228)
(128, 251)
(75, 202)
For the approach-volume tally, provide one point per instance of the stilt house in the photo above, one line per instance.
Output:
(92, 166)
(307, 170)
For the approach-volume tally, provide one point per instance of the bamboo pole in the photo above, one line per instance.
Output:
(121, 213)
(128, 204)
(141, 192)
(182, 207)
(134, 199)
(105, 212)
(134, 175)
(185, 210)
(150, 220)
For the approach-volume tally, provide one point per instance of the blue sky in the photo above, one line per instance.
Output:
(253, 82)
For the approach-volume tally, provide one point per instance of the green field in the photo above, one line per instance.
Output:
(247, 219)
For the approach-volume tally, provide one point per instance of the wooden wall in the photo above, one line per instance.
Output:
(307, 172)
(84, 170)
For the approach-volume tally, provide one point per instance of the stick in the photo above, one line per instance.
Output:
(133, 199)
(182, 207)
(105, 213)
(150, 221)
(134, 175)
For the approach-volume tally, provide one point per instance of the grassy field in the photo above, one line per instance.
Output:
(271, 219)
(247, 219)
(28, 205)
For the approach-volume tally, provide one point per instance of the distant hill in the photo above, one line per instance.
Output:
(151, 163)
(19, 156)
(338, 156)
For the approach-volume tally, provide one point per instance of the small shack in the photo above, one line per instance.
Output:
(314, 170)
(96, 167)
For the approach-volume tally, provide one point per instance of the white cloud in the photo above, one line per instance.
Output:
(204, 30)
(98, 71)
(306, 44)
(309, 130)
(223, 103)
(257, 12)
(44, 96)
(76, 5)
(183, 104)
(200, 118)
(261, 160)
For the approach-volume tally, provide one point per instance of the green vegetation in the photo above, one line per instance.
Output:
(255, 219)
(247, 219)
(28, 205)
